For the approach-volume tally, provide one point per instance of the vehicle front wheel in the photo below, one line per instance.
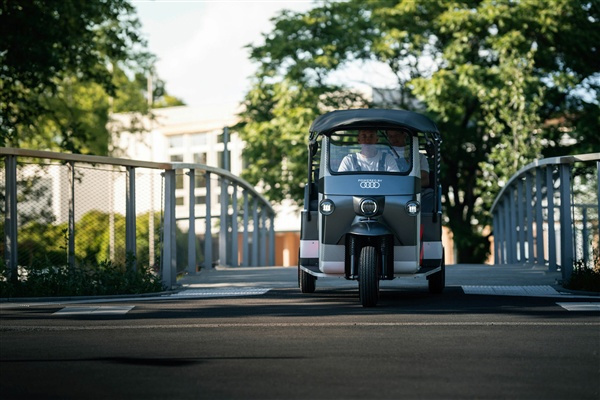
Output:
(368, 277)
(306, 281)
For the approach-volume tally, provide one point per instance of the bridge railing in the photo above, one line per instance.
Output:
(68, 209)
(547, 214)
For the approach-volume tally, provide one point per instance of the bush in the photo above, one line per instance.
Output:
(105, 279)
(586, 278)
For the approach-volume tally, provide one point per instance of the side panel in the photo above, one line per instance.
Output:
(309, 238)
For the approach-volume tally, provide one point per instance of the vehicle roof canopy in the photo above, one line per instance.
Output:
(367, 117)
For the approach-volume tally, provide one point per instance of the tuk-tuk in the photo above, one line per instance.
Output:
(369, 213)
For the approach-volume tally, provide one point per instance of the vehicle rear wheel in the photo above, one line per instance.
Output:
(368, 277)
(437, 281)
(306, 281)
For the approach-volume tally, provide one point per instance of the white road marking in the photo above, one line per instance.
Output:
(100, 310)
(580, 306)
(114, 327)
(541, 291)
(220, 292)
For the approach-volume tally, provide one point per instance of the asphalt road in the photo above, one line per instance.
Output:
(285, 345)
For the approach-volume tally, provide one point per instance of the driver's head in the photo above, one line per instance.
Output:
(398, 137)
(367, 136)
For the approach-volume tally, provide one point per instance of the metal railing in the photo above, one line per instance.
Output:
(72, 209)
(547, 214)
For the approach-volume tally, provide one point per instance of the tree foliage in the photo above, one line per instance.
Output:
(506, 81)
(64, 66)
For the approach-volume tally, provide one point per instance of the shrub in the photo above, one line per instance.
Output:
(107, 278)
(586, 278)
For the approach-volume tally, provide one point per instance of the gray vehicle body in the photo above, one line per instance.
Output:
(334, 227)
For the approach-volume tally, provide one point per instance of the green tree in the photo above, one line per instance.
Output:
(491, 73)
(65, 65)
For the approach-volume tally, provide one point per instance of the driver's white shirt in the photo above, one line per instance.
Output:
(368, 163)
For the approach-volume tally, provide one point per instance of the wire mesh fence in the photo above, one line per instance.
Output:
(73, 210)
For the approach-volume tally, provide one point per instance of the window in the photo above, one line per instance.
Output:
(199, 139)
(201, 200)
(179, 201)
(176, 157)
(176, 141)
(199, 179)
(200, 158)
(179, 181)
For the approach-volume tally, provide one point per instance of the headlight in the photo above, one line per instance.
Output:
(368, 207)
(327, 207)
(412, 208)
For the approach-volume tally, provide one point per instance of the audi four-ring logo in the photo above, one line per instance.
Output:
(369, 185)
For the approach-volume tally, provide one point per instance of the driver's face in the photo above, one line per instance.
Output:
(367, 136)
(397, 138)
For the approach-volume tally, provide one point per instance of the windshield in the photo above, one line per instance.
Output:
(370, 150)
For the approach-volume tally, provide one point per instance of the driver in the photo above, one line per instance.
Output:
(369, 158)
(398, 140)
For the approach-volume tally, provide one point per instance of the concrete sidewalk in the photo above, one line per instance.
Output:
(456, 275)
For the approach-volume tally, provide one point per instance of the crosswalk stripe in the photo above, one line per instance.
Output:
(580, 306)
(96, 310)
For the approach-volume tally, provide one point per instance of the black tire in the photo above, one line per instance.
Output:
(306, 281)
(368, 277)
(437, 281)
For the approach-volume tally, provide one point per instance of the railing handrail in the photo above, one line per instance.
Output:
(126, 162)
(544, 162)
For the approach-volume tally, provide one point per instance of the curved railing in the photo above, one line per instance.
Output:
(547, 213)
(117, 208)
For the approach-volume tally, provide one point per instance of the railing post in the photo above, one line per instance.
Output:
(71, 239)
(263, 237)
(130, 242)
(584, 234)
(234, 229)
(245, 238)
(208, 229)
(521, 220)
(539, 217)
(10, 218)
(513, 227)
(552, 265)
(256, 223)
(191, 267)
(169, 254)
(529, 212)
(223, 225)
(497, 236)
(566, 222)
(508, 233)
(272, 239)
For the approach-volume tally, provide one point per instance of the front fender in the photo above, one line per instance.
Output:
(369, 228)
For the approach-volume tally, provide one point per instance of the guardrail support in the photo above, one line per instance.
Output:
(191, 267)
(234, 229)
(245, 243)
(539, 217)
(130, 239)
(208, 259)
(10, 218)
(566, 222)
(552, 264)
(169, 254)
(71, 239)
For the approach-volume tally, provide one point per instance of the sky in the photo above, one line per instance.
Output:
(200, 44)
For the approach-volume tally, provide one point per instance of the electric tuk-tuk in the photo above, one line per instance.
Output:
(367, 215)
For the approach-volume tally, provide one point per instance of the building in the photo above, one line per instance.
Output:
(196, 135)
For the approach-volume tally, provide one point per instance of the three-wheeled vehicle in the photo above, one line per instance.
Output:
(367, 215)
